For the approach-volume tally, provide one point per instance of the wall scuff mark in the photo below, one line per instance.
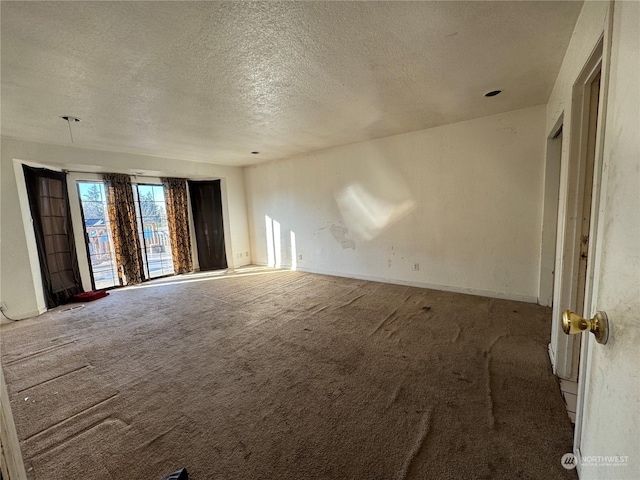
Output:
(340, 235)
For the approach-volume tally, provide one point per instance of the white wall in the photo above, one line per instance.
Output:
(611, 422)
(589, 27)
(19, 269)
(464, 201)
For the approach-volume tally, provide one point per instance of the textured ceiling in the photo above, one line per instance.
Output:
(213, 81)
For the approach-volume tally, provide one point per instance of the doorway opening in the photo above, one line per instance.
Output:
(569, 386)
(550, 215)
(587, 195)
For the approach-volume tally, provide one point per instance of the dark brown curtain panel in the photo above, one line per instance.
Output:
(206, 206)
(49, 204)
(175, 195)
(124, 228)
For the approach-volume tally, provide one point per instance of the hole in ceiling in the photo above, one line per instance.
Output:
(255, 153)
(492, 93)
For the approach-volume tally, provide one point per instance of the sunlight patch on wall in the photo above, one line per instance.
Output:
(271, 259)
(277, 245)
(366, 214)
(274, 242)
(294, 253)
(375, 197)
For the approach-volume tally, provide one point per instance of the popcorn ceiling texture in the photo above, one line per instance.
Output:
(213, 81)
(288, 375)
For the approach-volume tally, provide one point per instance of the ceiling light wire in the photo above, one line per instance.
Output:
(69, 120)
(70, 133)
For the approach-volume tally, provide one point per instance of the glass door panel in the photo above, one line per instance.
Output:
(93, 202)
(153, 230)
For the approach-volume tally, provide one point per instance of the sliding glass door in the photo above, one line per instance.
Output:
(104, 271)
(153, 229)
(151, 216)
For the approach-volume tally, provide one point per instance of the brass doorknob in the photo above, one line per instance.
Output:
(573, 323)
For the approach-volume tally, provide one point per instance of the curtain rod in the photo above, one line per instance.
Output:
(79, 171)
(64, 170)
(201, 179)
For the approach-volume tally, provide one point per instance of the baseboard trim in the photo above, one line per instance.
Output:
(24, 316)
(445, 288)
(552, 358)
(242, 263)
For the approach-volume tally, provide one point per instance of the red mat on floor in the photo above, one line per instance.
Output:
(89, 296)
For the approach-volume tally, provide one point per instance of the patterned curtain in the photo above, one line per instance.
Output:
(175, 195)
(124, 228)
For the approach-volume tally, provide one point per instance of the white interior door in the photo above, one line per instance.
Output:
(608, 420)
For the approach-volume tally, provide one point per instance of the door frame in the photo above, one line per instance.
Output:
(571, 353)
(566, 348)
(77, 217)
(12, 464)
(85, 237)
(548, 255)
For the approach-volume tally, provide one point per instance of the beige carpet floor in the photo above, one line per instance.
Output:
(286, 375)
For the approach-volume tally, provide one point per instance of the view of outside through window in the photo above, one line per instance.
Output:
(98, 234)
(153, 230)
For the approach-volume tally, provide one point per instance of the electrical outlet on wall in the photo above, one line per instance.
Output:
(416, 267)
(246, 254)
(300, 257)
